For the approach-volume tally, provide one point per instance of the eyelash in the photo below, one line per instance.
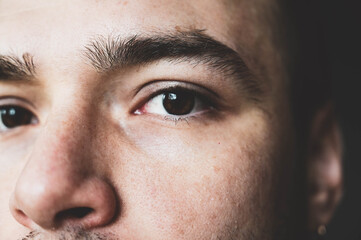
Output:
(180, 119)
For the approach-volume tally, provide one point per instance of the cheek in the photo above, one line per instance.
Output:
(216, 182)
(217, 198)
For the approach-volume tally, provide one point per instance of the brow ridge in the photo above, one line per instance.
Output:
(111, 53)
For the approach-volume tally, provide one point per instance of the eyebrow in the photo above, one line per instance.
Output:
(108, 54)
(15, 68)
(111, 53)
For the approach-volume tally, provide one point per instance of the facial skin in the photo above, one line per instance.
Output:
(103, 159)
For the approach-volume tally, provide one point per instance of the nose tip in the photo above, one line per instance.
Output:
(90, 204)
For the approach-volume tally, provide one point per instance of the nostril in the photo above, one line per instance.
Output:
(73, 213)
(81, 212)
(20, 213)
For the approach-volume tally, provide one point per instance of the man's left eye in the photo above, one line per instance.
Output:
(176, 103)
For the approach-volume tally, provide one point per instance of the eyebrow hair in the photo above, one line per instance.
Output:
(15, 68)
(107, 54)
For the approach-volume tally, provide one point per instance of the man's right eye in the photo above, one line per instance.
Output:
(12, 116)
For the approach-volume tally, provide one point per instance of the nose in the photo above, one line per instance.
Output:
(60, 185)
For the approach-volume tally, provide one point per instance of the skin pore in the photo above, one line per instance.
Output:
(103, 159)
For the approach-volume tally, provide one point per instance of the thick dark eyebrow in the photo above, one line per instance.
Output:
(15, 68)
(108, 54)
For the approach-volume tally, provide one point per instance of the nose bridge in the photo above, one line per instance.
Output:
(60, 146)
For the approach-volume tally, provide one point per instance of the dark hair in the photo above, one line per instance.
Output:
(306, 59)
(301, 40)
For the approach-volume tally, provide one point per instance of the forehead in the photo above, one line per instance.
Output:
(60, 28)
(70, 22)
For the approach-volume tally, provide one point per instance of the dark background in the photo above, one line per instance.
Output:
(341, 23)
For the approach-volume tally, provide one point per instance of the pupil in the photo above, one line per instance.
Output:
(178, 103)
(12, 116)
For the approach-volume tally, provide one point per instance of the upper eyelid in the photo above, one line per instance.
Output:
(20, 102)
(175, 83)
(200, 92)
(14, 100)
(170, 89)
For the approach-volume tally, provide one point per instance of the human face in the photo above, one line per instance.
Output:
(95, 146)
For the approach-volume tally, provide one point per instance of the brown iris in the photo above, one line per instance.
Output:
(178, 102)
(13, 116)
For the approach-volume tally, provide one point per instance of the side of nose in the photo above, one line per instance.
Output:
(59, 186)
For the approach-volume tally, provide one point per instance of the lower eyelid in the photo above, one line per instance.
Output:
(197, 118)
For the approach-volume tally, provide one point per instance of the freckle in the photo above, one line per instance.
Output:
(177, 28)
(216, 169)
